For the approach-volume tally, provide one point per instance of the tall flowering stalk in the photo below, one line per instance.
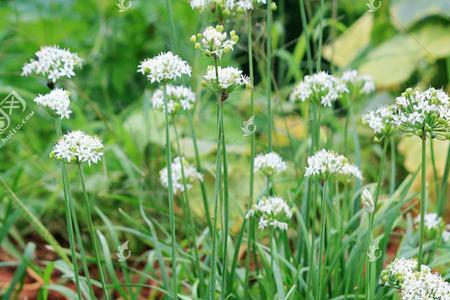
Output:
(55, 63)
(213, 42)
(165, 68)
(78, 148)
(425, 114)
(325, 166)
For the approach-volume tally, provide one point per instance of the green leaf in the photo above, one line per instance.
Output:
(405, 13)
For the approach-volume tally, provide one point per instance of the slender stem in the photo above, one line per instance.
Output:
(92, 233)
(200, 169)
(435, 172)
(67, 207)
(172, 25)
(392, 183)
(307, 42)
(323, 219)
(252, 151)
(188, 210)
(217, 186)
(269, 73)
(171, 198)
(372, 218)
(319, 48)
(422, 199)
(444, 185)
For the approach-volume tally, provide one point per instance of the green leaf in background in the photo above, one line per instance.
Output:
(405, 13)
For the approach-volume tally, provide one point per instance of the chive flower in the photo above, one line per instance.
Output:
(78, 147)
(179, 98)
(164, 67)
(272, 212)
(57, 101)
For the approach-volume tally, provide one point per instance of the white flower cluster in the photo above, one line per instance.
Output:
(419, 112)
(358, 84)
(415, 285)
(227, 5)
(191, 175)
(321, 87)
(213, 42)
(432, 221)
(325, 164)
(367, 201)
(269, 164)
(52, 62)
(272, 212)
(57, 100)
(178, 98)
(78, 147)
(381, 120)
(163, 67)
(229, 78)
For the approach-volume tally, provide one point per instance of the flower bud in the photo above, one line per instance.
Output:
(193, 39)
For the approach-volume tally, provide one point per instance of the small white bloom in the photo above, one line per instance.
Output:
(163, 67)
(57, 100)
(396, 272)
(367, 201)
(381, 120)
(191, 175)
(325, 164)
(229, 6)
(321, 87)
(178, 98)
(229, 78)
(52, 62)
(425, 286)
(78, 147)
(358, 84)
(269, 164)
(432, 221)
(272, 212)
(213, 42)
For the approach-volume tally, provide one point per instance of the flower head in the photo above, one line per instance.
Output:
(358, 84)
(53, 63)
(381, 121)
(269, 164)
(178, 98)
(57, 101)
(423, 113)
(396, 272)
(321, 87)
(367, 201)
(273, 212)
(433, 225)
(228, 6)
(180, 166)
(229, 78)
(213, 42)
(163, 67)
(78, 147)
(425, 285)
(325, 164)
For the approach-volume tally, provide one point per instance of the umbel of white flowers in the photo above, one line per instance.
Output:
(423, 113)
(358, 84)
(53, 63)
(381, 120)
(164, 67)
(213, 42)
(326, 164)
(228, 6)
(321, 87)
(57, 101)
(403, 274)
(191, 175)
(78, 147)
(273, 212)
(179, 98)
(434, 225)
(269, 164)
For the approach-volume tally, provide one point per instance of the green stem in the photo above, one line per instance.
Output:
(188, 210)
(200, 169)
(392, 183)
(171, 198)
(444, 185)
(435, 173)
(252, 152)
(172, 25)
(307, 41)
(319, 48)
(67, 207)
(422, 199)
(323, 219)
(92, 232)
(269, 73)
(372, 218)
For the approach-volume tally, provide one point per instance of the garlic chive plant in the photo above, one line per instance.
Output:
(425, 114)
(164, 68)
